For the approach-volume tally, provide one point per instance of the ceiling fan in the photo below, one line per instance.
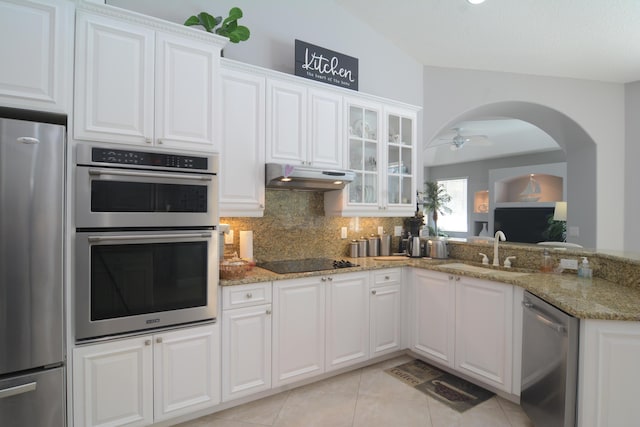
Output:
(457, 141)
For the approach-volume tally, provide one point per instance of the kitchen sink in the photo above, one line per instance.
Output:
(466, 268)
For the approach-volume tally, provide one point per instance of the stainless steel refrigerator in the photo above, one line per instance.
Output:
(32, 379)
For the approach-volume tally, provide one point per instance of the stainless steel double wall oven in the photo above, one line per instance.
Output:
(146, 240)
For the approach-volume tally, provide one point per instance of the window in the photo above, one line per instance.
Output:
(457, 220)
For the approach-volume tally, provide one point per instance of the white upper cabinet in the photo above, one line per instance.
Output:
(37, 54)
(304, 125)
(242, 133)
(380, 147)
(185, 91)
(138, 84)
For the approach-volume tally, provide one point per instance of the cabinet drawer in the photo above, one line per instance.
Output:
(387, 277)
(246, 295)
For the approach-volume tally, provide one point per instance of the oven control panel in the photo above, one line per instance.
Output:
(142, 158)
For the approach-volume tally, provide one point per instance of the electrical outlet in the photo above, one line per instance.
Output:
(228, 238)
(343, 233)
(571, 264)
(397, 231)
(380, 230)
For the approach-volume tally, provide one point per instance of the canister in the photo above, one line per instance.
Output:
(353, 249)
(374, 245)
(362, 246)
(385, 244)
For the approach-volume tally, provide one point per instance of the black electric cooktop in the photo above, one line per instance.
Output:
(304, 265)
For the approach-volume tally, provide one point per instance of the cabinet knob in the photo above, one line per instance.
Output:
(450, 277)
(147, 342)
(160, 141)
(324, 279)
(268, 311)
(457, 278)
(387, 277)
(330, 279)
(249, 295)
(373, 292)
(159, 340)
(261, 206)
(147, 140)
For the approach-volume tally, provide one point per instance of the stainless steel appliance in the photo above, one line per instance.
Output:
(147, 246)
(32, 386)
(306, 177)
(549, 363)
(116, 187)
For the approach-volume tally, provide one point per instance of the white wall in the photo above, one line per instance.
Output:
(598, 108)
(275, 24)
(632, 169)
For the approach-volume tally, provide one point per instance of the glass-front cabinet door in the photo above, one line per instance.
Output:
(364, 154)
(400, 146)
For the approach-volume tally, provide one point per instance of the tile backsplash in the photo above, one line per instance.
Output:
(294, 226)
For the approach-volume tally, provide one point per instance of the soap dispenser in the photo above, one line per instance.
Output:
(585, 270)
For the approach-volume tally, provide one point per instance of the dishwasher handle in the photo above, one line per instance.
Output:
(543, 319)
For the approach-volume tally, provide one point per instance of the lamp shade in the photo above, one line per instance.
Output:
(560, 211)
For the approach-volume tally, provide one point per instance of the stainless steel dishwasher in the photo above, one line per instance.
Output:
(549, 364)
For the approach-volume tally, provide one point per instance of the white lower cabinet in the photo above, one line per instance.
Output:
(433, 319)
(146, 379)
(246, 340)
(298, 329)
(347, 321)
(466, 324)
(385, 312)
(484, 331)
(608, 373)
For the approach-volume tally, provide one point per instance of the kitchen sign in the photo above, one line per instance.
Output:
(324, 65)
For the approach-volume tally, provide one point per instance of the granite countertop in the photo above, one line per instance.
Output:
(586, 299)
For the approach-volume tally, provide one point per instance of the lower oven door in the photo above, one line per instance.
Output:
(132, 281)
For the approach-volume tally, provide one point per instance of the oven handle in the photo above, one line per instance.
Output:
(147, 236)
(98, 172)
(19, 389)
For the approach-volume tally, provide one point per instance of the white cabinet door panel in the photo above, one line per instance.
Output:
(434, 316)
(187, 376)
(36, 54)
(242, 144)
(386, 319)
(246, 361)
(325, 129)
(347, 339)
(113, 383)
(298, 330)
(286, 122)
(113, 103)
(185, 92)
(484, 331)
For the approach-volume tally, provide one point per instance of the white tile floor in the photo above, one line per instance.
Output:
(364, 397)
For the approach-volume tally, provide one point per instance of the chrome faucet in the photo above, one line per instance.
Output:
(499, 236)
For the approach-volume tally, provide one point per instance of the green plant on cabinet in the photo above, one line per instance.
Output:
(227, 28)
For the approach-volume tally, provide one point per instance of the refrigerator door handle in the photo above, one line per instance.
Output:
(19, 389)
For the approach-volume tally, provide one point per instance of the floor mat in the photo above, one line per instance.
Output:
(449, 389)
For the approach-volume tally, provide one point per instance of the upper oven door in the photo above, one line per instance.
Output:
(119, 197)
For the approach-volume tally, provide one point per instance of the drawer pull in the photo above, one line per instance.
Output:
(249, 295)
(159, 340)
(387, 277)
(373, 292)
(19, 389)
(268, 312)
(147, 342)
(330, 279)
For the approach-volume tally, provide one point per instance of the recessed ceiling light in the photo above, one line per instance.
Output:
(475, 1)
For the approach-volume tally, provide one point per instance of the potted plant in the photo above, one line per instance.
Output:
(435, 201)
(227, 28)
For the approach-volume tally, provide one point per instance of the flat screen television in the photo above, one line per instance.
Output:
(524, 225)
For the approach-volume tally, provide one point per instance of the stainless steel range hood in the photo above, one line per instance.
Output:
(300, 177)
